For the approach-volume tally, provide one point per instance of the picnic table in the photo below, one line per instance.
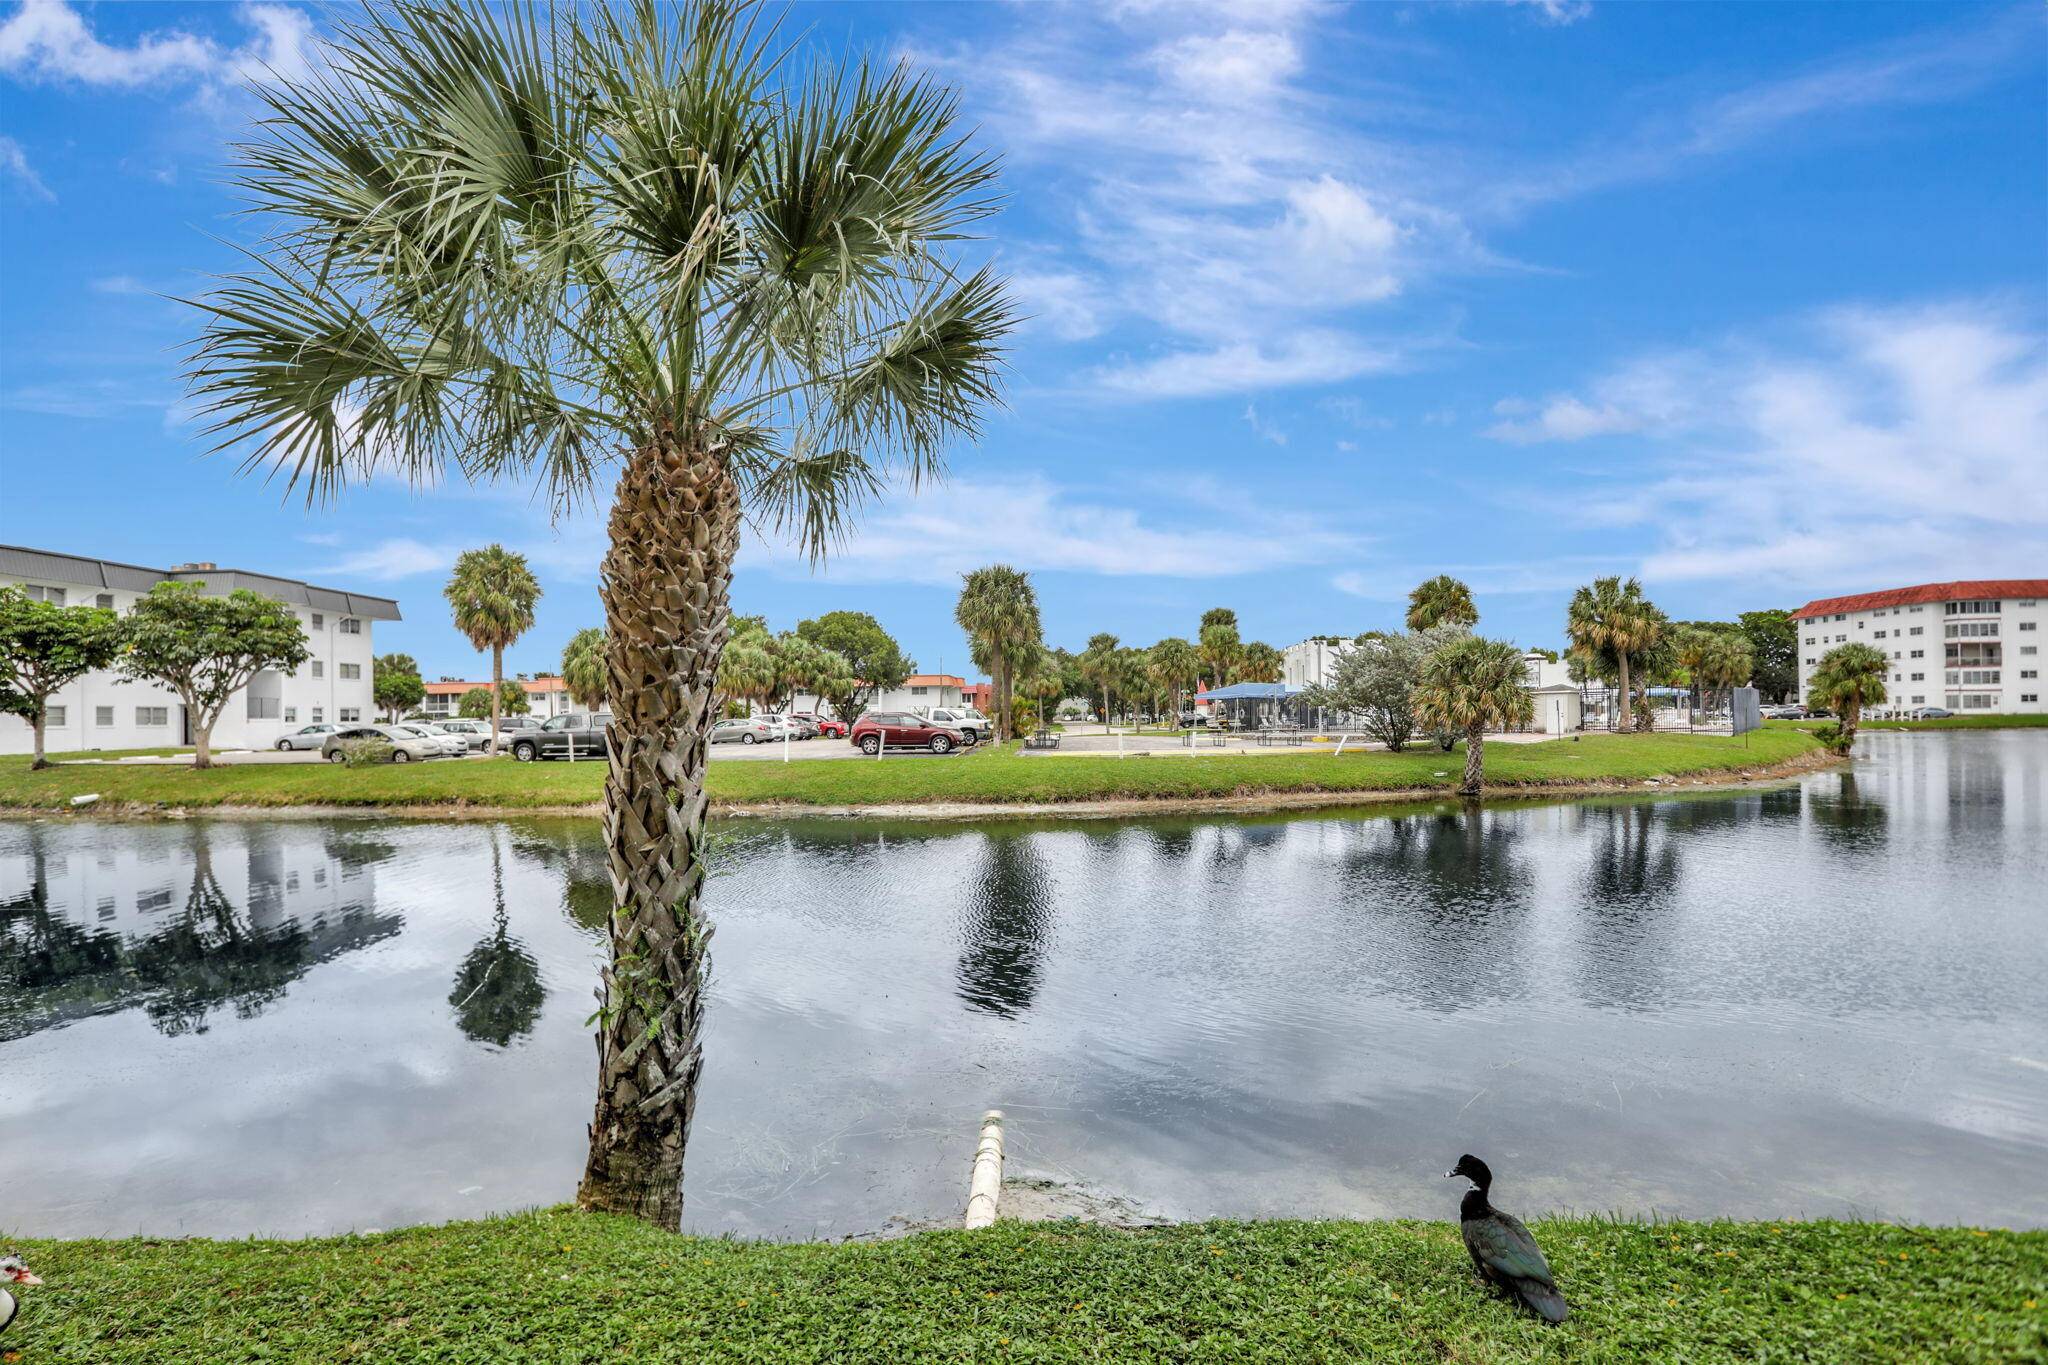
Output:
(1042, 738)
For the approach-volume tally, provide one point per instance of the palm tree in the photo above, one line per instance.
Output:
(583, 667)
(493, 594)
(1724, 662)
(1612, 621)
(1849, 678)
(1173, 663)
(1439, 601)
(541, 243)
(999, 611)
(1471, 686)
(1098, 666)
(1261, 663)
(1220, 651)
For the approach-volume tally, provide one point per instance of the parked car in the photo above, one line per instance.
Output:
(452, 744)
(1191, 720)
(406, 745)
(829, 726)
(901, 730)
(477, 732)
(972, 725)
(800, 727)
(1931, 712)
(741, 730)
(305, 737)
(1783, 711)
(552, 739)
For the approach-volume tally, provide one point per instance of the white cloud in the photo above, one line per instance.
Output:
(1872, 446)
(947, 530)
(1559, 12)
(1262, 429)
(1233, 65)
(1305, 358)
(1062, 301)
(388, 560)
(14, 164)
(49, 40)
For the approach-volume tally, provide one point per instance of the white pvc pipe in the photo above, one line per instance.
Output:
(985, 1187)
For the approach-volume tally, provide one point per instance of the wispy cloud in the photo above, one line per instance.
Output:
(1559, 12)
(388, 560)
(1871, 445)
(14, 166)
(1263, 429)
(48, 40)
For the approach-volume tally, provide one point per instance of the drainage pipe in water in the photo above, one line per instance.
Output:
(986, 1185)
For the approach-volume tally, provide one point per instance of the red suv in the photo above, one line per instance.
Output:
(829, 727)
(901, 730)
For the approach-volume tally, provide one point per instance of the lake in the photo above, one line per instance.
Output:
(1824, 998)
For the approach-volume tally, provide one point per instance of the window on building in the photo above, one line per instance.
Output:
(2030, 649)
(1919, 653)
(103, 715)
(2030, 696)
(1919, 630)
(1918, 700)
(351, 714)
(1878, 636)
(152, 715)
(319, 669)
(351, 626)
(291, 715)
(1977, 607)
(351, 670)
(1977, 701)
(264, 708)
(1919, 677)
(319, 714)
(105, 599)
(36, 593)
(319, 621)
(2030, 673)
(54, 715)
(2028, 625)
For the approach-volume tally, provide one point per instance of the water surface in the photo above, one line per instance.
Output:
(1823, 999)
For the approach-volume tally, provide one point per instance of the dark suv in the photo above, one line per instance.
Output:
(902, 730)
(553, 739)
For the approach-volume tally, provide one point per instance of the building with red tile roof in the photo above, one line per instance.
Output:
(1973, 646)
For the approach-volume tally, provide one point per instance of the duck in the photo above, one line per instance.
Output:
(1506, 1255)
(13, 1270)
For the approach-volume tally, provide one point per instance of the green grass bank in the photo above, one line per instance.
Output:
(990, 777)
(563, 1286)
(2028, 722)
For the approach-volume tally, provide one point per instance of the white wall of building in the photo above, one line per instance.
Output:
(104, 711)
(1309, 662)
(1997, 645)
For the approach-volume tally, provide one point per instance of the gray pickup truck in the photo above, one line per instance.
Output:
(554, 738)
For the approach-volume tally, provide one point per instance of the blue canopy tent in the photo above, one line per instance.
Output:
(1247, 706)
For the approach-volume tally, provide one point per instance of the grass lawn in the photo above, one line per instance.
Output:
(2026, 722)
(563, 1286)
(989, 776)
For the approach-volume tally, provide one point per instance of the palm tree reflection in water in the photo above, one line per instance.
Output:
(498, 991)
(1009, 917)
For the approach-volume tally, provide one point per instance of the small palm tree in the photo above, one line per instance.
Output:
(998, 609)
(1471, 686)
(493, 594)
(583, 667)
(627, 244)
(1849, 678)
(1221, 649)
(1261, 663)
(1173, 663)
(1439, 601)
(1612, 620)
(746, 671)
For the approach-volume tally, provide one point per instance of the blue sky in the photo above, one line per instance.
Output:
(1750, 300)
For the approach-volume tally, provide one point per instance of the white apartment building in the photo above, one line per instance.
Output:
(1970, 647)
(546, 697)
(1309, 663)
(106, 711)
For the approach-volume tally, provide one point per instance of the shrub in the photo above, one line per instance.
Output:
(361, 753)
(1831, 735)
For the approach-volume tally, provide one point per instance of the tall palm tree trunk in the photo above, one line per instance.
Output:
(1475, 762)
(497, 693)
(674, 532)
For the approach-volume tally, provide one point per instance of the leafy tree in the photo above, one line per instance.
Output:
(1173, 664)
(44, 648)
(1849, 678)
(583, 668)
(1774, 646)
(1261, 663)
(998, 609)
(475, 704)
(875, 660)
(492, 593)
(1217, 616)
(542, 241)
(1610, 621)
(1220, 650)
(396, 684)
(746, 667)
(1442, 600)
(512, 698)
(1470, 686)
(1548, 655)
(208, 648)
(1375, 683)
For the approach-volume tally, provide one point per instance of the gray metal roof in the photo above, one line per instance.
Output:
(50, 566)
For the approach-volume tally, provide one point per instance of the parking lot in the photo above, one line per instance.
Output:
(797, 751)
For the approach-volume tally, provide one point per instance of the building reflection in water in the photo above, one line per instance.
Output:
(178, 921)
(1009, 917)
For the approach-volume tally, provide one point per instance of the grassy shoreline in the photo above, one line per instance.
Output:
(994, 779)
(559, 1285)
(2019, 722)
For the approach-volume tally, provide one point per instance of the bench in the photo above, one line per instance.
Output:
(1042, 739)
